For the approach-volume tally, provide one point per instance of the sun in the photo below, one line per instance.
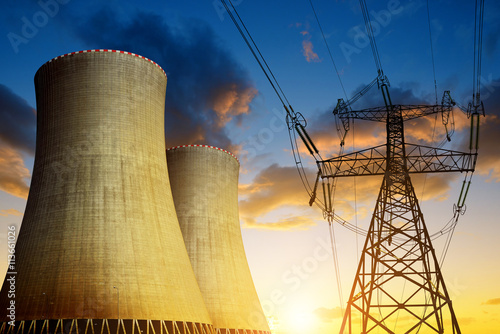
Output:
(300, 320)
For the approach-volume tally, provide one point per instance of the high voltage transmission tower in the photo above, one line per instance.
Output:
(398, 268)
(398, 275)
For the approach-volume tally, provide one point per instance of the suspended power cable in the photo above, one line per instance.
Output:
(355, 199)
(294, 118)
(432, 51)
(369, 30)
(298, 161)
(336, 265)
(448, 242)
(295, 121)
(255, 50)
(474, 111)
(478, 46)
(329, 51)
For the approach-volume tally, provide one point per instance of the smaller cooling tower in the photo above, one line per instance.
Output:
(204, 183)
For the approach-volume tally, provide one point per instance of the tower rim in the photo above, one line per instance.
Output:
(102, 50)
(206, 146)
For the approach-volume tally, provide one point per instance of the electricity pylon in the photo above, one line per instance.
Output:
(398, 275)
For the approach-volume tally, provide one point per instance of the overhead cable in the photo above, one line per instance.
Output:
(478, 46)
(432, 51)
(247, 37)
(369, 30)
(329, 51)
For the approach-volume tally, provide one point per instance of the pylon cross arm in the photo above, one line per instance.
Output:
(420, 159)
(366, 162)
(407, 112)
(425, 159)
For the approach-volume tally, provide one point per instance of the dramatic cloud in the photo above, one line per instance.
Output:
(17, 134)
(494, 301)
(274, 187)
(323, 126)
(277, 187)
(13, 173)
(434, 186)
(206, 87)
(17, 128)
(10, 212)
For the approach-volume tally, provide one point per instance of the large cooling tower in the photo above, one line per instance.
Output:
(204, 183)
(100, 237)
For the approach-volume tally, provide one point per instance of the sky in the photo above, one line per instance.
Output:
(218, 95)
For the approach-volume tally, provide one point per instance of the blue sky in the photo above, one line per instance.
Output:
(217, 95)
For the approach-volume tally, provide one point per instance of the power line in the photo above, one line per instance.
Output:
(329, 51)
(478, 46)
(336, 265)
(254, 49)
(432, 51)
(369, 30)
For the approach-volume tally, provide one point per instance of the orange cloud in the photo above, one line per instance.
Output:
(272, 188)
(430, 130)
(277, 187)
(10, 212)
(287, 224)
(13, 173)
(325, 137)
(307, 45)
(307, 51)
(494, 301)
(230, 100)
(434, 186)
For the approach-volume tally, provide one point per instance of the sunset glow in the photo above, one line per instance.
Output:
(302, 267)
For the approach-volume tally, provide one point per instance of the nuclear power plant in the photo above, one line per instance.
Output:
(204, 182)
(100, 249)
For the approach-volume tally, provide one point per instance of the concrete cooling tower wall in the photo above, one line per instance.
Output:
(100, 237)
(204, 183)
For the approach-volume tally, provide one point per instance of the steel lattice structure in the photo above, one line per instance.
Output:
(398, 249)
(398, 269)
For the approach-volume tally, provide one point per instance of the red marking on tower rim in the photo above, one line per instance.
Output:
(207, 146)
(106, 50)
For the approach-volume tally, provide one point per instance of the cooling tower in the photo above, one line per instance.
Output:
(204, 183)
(100, 237)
